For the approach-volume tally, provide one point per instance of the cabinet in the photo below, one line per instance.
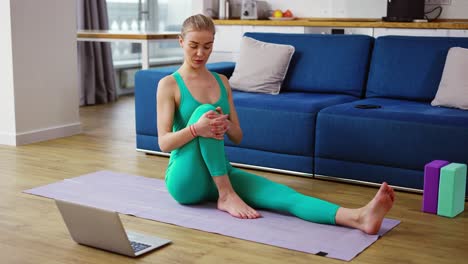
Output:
(410, 32)
(334, 30)
(458, 33)
(227, 39)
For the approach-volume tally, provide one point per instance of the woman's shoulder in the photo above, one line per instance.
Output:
(168, 80)
(167, 85)
(225, 81)
(222, 76)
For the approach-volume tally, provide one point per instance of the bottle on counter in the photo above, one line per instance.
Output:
(227, 12)
(222, 9)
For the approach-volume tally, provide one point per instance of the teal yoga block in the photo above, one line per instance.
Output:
(452, 188)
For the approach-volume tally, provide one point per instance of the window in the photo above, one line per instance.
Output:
(150, 15)
(146, 15)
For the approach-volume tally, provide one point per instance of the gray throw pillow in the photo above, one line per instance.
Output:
(261, 67)
(453, 87)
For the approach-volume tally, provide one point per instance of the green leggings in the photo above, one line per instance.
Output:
(191, 168)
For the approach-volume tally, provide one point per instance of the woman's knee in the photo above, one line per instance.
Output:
(199, 112)
(205, 108)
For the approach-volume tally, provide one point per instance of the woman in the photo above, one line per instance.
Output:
(195, 111)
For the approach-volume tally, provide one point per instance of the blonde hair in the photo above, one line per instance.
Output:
(197, 23)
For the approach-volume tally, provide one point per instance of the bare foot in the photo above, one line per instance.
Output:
(371, 216)
(234, 205)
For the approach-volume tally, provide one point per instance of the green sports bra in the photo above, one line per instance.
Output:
(188, 104)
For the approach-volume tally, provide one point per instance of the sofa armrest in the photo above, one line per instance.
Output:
(146, 85)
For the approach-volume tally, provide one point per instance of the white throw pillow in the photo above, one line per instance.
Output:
(453, 87)
(261, 67)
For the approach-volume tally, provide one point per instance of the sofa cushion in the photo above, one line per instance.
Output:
(405, 67)
(401, 134)
(282, 123)
(324, 63)
(261, 66)
(146, 82)
(453, 88)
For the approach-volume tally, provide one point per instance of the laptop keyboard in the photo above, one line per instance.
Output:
(138, 246)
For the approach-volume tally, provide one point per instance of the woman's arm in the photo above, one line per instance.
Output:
(166, 105)
(234, 131)
(165, 97)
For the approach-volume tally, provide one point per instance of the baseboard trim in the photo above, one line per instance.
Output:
(302, 174)
(336, 179)
(241, 165)
(152, 152)
(49, 133)
(268, 169)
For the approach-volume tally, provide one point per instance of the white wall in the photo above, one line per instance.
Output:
(458, 9)
(344, 8)
(46, 98)
(7, 102)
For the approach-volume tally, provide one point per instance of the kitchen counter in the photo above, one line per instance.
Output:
(349, 22)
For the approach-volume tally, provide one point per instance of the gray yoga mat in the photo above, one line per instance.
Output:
(148, 198)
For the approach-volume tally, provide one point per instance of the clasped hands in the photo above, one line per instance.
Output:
(213, 124)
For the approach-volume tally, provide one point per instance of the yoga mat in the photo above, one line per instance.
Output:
(148, 198)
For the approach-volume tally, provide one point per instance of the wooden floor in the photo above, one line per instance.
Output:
(32, 231)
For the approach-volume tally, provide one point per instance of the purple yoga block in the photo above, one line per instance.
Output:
(431, 185)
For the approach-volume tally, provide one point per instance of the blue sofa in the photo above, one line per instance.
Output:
(313, 128)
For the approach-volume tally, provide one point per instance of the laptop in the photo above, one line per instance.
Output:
(103, 229)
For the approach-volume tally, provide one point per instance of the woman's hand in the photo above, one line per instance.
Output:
(225, 124)
(213, 125)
